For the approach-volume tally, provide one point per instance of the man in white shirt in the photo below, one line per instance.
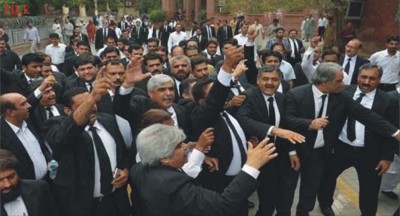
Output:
(242, 37)
(18, 197)
(321, 26)
(389, 60)
(56, 51)
(176, 36)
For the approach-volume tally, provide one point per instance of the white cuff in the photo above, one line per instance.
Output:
(269, 132)
(251, 171)
(292, 153)
(197, 157)
(248, 43)
(37, 93)
(395, 134)
(125, 91)
(224, 78)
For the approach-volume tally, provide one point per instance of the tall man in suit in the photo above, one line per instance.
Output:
(79, 35)
(200, 38)
(260, 116)
(92, 157)
(208, 30)
(85, 67)
(22, 197)
(139, 33)
(293, 55)
(370, 153)
(102, 34)
(163, 33)
(212, 47)
(224, 33)
(351, 61)
(319, 111)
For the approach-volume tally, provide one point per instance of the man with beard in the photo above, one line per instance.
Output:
(180, 70)
(152, 63)
(22, 197)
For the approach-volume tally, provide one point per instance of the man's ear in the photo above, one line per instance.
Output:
(165, 161)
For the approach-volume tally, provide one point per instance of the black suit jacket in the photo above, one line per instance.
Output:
(376, 146)
(222, 36)
(39, 116)
(99, 40)
(301, 78)
(142, 37)
(359, 61)
(163, 35)
(205, 33)
(216, 58)
(297, 58)
(37, 197)
(299, 112)
(11, 142)
(120, 25)
(74, 82)
(73, 149)
(160, 190)
(202, 41)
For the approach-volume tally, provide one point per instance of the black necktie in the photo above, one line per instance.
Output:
(271, 110)
(104, 161)
(30, 81)
(104, 35)
(237, 137)
(347, 68)
(321, 109)
(226, 32)
(295, 47)
(51, 115)
(351, 122)
(89, 85)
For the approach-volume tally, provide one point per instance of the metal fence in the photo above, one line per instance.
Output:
(15, 27)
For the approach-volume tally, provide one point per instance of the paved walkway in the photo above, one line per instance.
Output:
(346, 199)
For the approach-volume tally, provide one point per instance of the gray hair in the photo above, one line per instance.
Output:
(157, 142)
(158, 80)
(325, 72)
(368, 66)
(180, 57)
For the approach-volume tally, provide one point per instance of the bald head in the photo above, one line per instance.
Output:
(14, 107)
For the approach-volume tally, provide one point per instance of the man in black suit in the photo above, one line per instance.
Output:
(180, 70)
(370, 153)
(163, 34)
(85, 67)
(160, 188)
(202, 41)
(351, 61)
(293, 55)
(81, 48)
(79, 35)
(102, 34)
(22, 197)
(92, 157)
(209, 31)
(47, 108)
(19, 136)
(123, 24)
(212, 47)
(224, 33)
(139, 33)
(260, 116)
(309, 112)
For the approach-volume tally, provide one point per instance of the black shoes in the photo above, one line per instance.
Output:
(327, 211)
(390, 195)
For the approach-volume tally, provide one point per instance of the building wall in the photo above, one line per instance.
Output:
(377, 22)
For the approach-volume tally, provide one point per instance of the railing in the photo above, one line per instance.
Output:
(15, 27)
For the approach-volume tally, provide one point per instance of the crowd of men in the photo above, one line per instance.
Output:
(185, 121)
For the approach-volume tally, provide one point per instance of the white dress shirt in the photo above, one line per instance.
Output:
(175, 38)
(352, 65)
(54, 110)
(287, 71)
(57, 53)
(367, 102)
(317, 94)
(174, 117)
(390, 65)
(16, 207)
(32, 147)
(111, 149)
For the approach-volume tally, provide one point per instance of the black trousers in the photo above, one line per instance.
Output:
(312, 167)
(268, 190)
(369, 181)
(387, 87)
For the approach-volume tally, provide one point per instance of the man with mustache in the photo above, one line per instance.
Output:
(22, 197)
(368, 152)
(180, 70)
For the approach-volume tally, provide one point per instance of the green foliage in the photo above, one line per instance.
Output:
(157, 15)
(260, 7)
(203, 14)
(145, 6)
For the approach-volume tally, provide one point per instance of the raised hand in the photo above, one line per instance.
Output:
(134, 73)
(233, 56)
(261, 154)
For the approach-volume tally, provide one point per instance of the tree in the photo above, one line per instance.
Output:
(145, 6)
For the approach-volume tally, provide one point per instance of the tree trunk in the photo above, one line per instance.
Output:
(65, 12)
(82, 11)
(96, 9)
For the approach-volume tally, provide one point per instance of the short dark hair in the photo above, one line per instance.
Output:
(197, 60)
(70, 93)
(124, 40)
(279, 29)
(290, 30)
(83, 59)
(114, 62)
(198, 89)
(367, 66)
(278, 44)
(267, 53)
(268, 69)
(330, 52)
(212, 42)
(5, 105)
(134, 47)
(7, 160)
(153, 116)
(189, 48)
(82, 43)
(392, 38)
(110, 49)
(151, 56)
(153, 39)
(31, 57)
(54, 35)
(162, 49)
(192, 39)
(185, 85)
